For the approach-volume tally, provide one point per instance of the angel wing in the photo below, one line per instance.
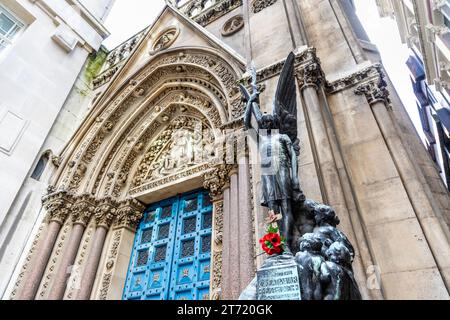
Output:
(285, 103)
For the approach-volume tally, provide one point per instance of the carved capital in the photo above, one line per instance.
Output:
(216, 180)
(129, 214)
(105, 212)
(83, 209)
(58, 206)
(310, 74)
(375, 90)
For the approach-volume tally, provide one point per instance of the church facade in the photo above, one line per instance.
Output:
(156, 195)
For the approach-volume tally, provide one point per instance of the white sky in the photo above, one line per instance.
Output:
(130, 16)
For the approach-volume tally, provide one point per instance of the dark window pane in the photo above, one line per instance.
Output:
(190, 205)
(206, 244)
(166, 212)
(187, 248)
(207, 221)
(206, 200)
(189, 225)
(160, 254)
(150, 217)
(146, 236)
(164, 231)
(142, 258)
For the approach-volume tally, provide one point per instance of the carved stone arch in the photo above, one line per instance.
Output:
(220, 70)
(181, 94)
(127, 156)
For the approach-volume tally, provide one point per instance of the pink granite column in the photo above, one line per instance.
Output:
(70, 253)
(87, 281)
(246, 254)
(40, 263)
(226, 270)
(234, 237)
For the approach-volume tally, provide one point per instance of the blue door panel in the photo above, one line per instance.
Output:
(172, 251)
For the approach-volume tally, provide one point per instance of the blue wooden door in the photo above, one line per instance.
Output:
(172, 251)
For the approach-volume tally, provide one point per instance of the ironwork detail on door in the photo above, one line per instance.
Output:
(172, 251)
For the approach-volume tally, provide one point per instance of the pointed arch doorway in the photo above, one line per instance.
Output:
(171, 257)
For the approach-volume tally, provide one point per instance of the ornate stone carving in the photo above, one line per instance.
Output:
(310, 75)
(58, 206)
(186, 142)
(364, 75)
(119, 108)
(204, 15)
(233, 25)
(216, 275)
(105, 212)
(259, 5)
(375, 90)
(83, 209)
(110, 260)
(165, 39)
(217, 179)
(129, 214)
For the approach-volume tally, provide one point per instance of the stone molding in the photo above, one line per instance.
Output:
(260, 5)
(205, 17)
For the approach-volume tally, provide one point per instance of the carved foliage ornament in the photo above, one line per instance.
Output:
(259, 5)
(233, 25)
(83, 209)
(375, 90)
(58, 206)
(129, 214)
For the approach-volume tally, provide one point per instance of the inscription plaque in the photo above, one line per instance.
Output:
(278, 283)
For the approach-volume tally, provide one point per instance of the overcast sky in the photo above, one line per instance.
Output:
(130, 16)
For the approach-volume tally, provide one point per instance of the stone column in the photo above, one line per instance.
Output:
(327, 158)
(104, 216)
(411, 177)
(246, 230)
(57, 206)
(233, 236)
(217, 182)
(117, 259)
(81, 214)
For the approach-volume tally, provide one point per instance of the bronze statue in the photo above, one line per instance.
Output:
(279, 148)
(325, 255)
(336, 275)
(310, 261)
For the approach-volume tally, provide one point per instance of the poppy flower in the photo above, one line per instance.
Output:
(272, 243)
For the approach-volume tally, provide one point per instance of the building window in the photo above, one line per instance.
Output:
(40, 167)
(10, 26)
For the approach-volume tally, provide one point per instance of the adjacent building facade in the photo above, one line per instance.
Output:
(425, 27)
(156, 195)
(44, 46)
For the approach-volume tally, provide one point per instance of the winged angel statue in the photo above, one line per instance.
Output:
(279, 147)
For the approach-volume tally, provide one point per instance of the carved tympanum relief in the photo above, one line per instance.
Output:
(233, 25)
(186, 143)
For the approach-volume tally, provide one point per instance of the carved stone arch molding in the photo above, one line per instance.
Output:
(200, 79)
